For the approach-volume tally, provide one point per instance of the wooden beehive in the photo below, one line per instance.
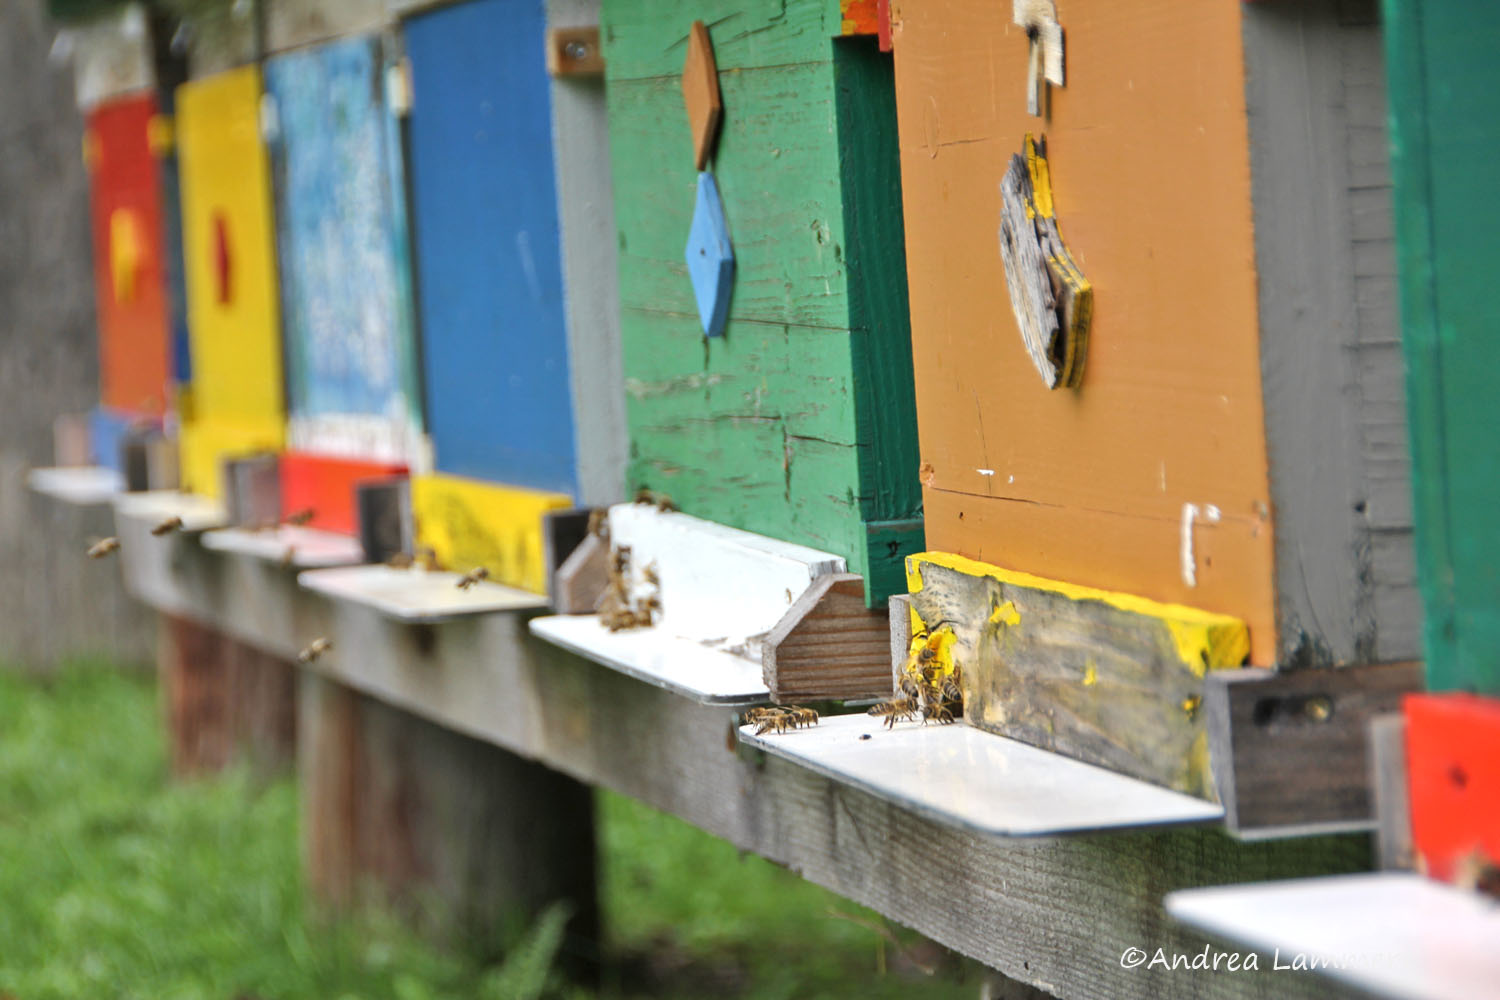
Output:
(797, 423)
(234, 400)
(1237, 443)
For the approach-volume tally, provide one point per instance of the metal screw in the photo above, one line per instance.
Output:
(576, 51)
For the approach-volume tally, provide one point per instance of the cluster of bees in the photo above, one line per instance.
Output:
(779, 718)
(925, 691)
(618, 607)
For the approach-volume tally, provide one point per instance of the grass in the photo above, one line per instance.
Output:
(115, 882)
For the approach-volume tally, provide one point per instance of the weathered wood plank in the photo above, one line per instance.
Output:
(1057, 913)
(1106, 678)
(579, 582)
(829, 645)
(1291, 748)
(1393, 845)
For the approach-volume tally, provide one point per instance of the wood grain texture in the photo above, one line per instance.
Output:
(1330, 369)
(1440, 92)
(1150, 156)
(1055, 913)
(829, 645)
(796, 423)
(1290, 748)
(1109, 679)
(225, 702)
(444, 827)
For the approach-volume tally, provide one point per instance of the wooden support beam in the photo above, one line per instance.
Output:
(829, 645)
(1290, 749)
(473, 842)
(224, 701)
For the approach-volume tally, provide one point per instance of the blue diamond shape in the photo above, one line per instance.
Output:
(710, 258)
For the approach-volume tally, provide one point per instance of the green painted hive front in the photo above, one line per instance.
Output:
(799, 423)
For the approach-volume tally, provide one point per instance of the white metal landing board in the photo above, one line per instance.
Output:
(198, 513)
(683, 666)
(303, 548)
(83, 485)
(963, 777)
(1394, 934)
(415, 595)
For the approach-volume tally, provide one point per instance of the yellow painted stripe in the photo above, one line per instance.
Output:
(469, 523)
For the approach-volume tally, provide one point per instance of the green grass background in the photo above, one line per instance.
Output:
(116, 882)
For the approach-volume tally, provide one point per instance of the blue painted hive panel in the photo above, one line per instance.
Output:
(352, 386)
(488, 258)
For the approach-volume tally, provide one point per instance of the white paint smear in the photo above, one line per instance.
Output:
(1191, 513)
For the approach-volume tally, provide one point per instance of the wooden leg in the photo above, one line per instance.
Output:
(472, 842)
(223, 700)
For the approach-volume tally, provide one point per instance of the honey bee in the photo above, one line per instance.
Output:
(650, 574)
(894, 711)
(298, 518)
(660, 501)
(643, 495)
(289, 557)
(664, 503)
(401, 560)
(599, 522)
(472, 577)
(937, 711)
(315, 649)
(426, 557)
(753, 715)
(104, 547)
(171, 524)
(803, 716)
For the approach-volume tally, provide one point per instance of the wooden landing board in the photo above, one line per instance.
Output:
(717, 582)
(1396, 934)
(81, 485)
(199, 513)
(963, 777)
(686, 667)
(416, 596)
(303, 548)
(1111, 679)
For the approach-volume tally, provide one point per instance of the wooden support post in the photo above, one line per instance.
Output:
(223, 701)
(900, 614)
(1393, 846)
(1290, 749)
(471, 841)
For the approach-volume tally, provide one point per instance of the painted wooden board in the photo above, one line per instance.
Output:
(686, 667)
(199, 513)
(797, 423)
(130, 268)
(717, 583)
(345, 269)
(1453, 782)
(301, 548)
(963, 777)
(326, 486)
(233, 404)
(1111, 679)
(1391, 934)
(1111, 485)
(486, 235)
(470, 524)
(1441, 93)
(829, 645)
(111, 55)
(416, 596)
(82, 485)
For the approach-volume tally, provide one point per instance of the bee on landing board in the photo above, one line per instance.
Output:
(298, 518)
(472, 577)
(780, 719)
(104, 547)
(315, 649)
(401, 560)
(167, 526)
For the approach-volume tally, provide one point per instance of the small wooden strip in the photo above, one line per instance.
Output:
(562, 532)
(1111, 679)
(252, 490)
(1291, 748)
(384, 513)
(900, 622)
(574, 52)
(828, 645)
(580, 580)
(70, 439)
(1393, 846)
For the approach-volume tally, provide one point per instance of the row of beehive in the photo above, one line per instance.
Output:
(846, 177)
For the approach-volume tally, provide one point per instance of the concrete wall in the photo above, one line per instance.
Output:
(54, 603)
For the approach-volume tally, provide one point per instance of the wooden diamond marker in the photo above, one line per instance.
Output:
(710, 257)
(700, 92)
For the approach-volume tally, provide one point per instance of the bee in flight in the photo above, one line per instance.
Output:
(472, 577)
(298, 518)
(171, 524)
(315, 649)
(104, 547)
(894, 711)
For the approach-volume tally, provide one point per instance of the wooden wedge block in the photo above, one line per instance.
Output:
(829, 645)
